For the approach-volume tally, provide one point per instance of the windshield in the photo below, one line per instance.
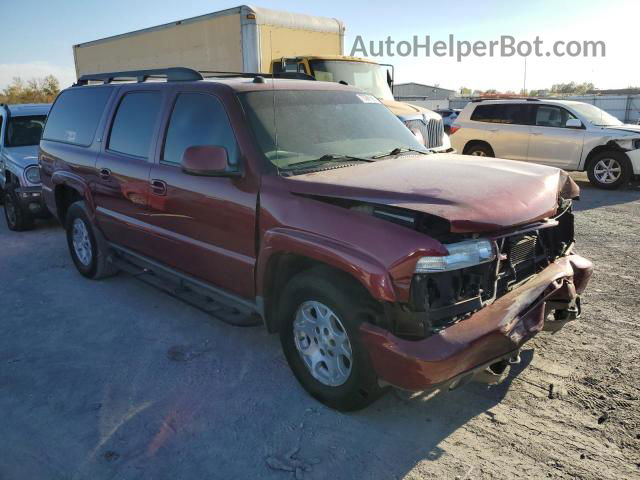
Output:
(308, 125)
(596, 115)
(370, 77)
(25, 131)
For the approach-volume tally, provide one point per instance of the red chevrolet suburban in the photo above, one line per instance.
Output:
(310, 206)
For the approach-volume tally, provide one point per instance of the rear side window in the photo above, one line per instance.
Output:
(134, 123)
(75, 115)
(198, 119)
(510, 114)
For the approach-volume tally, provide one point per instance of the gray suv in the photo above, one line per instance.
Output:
(564, 134)
(20, 188)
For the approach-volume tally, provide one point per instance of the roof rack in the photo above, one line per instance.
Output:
(173, 74)
(486, 99)
(179, 74)
(290, 75)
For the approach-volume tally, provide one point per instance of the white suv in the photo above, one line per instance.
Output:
(564, 134)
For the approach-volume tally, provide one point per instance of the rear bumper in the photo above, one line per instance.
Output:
(491, 334)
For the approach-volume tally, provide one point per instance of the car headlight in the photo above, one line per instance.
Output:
(32, 174)
(461, 255)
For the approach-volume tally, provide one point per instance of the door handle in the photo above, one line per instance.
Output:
(158, 187)
(105, 173)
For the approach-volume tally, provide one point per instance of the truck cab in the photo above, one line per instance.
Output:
(375, 79)
(20, 188)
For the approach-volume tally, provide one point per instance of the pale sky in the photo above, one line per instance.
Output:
(37, 35)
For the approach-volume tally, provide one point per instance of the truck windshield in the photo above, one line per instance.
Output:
(25, 131)
(294, 127)
(370, 77)
(596, 115)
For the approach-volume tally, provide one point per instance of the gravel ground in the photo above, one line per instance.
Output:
(115, 379)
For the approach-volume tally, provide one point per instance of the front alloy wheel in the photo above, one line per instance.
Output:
(609, 170)
(321, 313)
(323, 343)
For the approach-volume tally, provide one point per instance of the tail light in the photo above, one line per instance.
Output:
(454, 129)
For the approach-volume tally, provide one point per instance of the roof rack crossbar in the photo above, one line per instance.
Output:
(173, 74)
(290, 75)
(488, 99)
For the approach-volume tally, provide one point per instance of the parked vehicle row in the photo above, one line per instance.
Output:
(378, 262)
(574, 136)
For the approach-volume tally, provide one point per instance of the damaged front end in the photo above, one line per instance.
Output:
(470, 312)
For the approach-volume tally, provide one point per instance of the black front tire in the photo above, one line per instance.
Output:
(352, 306)
(619, 159)
(18, 219)
(98, 266)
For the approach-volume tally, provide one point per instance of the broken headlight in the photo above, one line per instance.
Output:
(461, 255)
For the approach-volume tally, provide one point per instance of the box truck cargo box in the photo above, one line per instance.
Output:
(257, 40)
(241, 39)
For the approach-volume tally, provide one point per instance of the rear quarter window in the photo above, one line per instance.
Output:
(75, 115)
(509, 114)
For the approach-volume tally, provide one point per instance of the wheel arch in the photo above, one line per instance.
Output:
(608, 147)
(285, 254)
(68, 189)
(472, 143)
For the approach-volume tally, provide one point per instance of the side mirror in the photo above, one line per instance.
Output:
(206, 160)
(573, 123)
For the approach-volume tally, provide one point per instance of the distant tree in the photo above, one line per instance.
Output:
(571, 88)
(36, 90)
(465, 92)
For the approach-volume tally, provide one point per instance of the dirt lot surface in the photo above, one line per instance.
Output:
(115, 379)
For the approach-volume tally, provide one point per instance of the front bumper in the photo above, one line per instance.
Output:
(634, 156)
(489, 335)
(31, 200)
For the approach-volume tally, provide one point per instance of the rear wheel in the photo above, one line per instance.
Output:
(479, 150)
(18, 219)
(320, 337)
(609, 170)
(88, 251)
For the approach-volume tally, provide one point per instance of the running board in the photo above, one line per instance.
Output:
(222, 305)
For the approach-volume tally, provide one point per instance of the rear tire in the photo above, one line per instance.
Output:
(322, 312)
(479, 150)
(88, 250)
(609, 170)
(18, 219)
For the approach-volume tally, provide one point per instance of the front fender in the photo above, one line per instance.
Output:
(364, 268)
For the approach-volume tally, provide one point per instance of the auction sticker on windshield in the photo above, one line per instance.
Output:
(367, 98)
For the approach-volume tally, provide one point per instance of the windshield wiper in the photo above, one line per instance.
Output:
(399, 150)
(329, 157)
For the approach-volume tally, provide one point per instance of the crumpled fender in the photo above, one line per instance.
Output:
(364, 268)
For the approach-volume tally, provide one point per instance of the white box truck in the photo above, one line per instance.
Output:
(256, 40)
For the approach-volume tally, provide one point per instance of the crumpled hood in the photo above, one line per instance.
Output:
(631, 130)
(22, 157)
(474, 195)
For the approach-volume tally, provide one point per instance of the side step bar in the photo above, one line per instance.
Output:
(222, 305)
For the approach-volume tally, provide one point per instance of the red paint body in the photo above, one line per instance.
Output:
(226, 230)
